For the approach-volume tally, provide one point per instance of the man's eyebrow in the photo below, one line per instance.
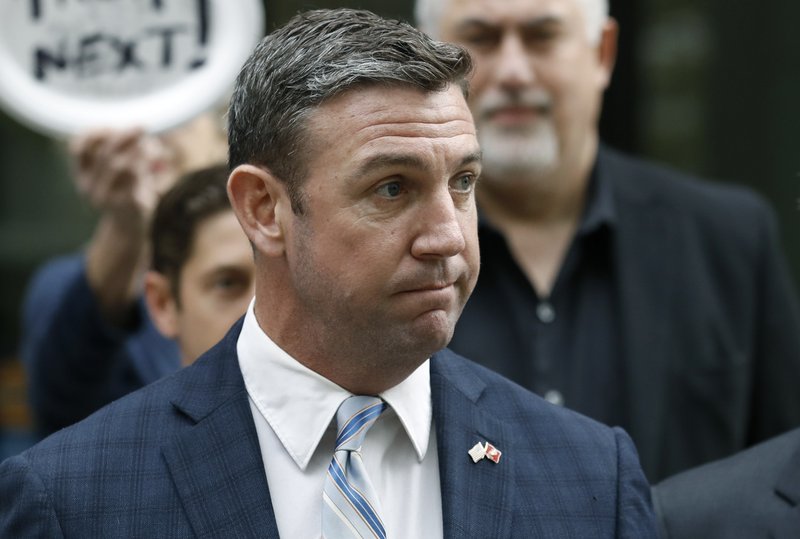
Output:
(478, 23)
(474, 157)
(228, 266)
(387, 160)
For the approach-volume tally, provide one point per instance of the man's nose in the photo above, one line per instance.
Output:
(441, 233)
(514, 69)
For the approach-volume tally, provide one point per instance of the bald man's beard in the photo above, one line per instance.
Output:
(511, 155)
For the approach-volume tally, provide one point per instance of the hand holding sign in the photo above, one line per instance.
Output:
(123, 171)
(70, 65)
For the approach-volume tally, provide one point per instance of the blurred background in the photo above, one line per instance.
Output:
(707, 86)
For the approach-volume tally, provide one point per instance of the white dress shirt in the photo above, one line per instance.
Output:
(294, 411)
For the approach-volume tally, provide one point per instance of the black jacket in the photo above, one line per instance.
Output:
(709, 321)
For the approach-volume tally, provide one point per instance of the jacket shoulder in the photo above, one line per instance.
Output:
(743, 495)
(134, 421)
(720, 216)
(739, 479)
(646, 180)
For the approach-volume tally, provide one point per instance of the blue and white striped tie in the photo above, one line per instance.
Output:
(350, 507)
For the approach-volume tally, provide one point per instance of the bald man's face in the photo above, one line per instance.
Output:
(538, 82)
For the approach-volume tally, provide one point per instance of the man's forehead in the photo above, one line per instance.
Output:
(505, 12)
(379, 129)
(376, 111)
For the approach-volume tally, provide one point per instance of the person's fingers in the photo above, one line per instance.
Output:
(101, 153)
(159, 158)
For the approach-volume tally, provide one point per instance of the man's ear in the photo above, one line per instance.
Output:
(161, 303)
(261, 203)
(607, 50)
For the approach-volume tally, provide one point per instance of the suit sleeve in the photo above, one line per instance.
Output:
(776, 367)
(26, 510)
(635, 518)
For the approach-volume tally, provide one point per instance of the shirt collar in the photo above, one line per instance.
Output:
(600, 208)
(299, 404)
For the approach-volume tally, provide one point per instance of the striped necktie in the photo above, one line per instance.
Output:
(350, 506)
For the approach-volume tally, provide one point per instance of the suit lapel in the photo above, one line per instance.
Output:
(475, 496)
(647, 280)
(216, 465)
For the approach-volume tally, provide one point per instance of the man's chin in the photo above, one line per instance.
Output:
(432, 330)
(533, 146)
(505, 163)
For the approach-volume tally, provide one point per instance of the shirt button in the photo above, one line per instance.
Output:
(554, 397)
(545, 312)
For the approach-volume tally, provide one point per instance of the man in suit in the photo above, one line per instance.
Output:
(626, 291)
(354, 160)
(755, 493)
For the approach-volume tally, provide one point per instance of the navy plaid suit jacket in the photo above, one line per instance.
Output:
(180, 458)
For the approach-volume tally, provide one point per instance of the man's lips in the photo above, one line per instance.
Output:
(432, 295)
(433, 287)
(428, 298)
(515, 115)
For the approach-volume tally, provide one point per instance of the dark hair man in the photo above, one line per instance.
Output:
(354, 161)
(201, 277)
(622, 290)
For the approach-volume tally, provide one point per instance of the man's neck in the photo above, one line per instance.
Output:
(540, 201)
(538, 216)
(363, 368)
(549, 197)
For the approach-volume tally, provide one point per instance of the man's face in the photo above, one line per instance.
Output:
(536, 90)
(386, 253)
(216, 284)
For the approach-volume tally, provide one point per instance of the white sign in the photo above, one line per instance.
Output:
(69, 65)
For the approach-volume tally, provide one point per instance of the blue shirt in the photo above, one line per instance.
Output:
(76, 361)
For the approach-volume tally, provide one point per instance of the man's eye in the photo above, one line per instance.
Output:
(390, 190)
(225, 282)
(229, 283)
(541, 37)
(480, 39)
(464, 184)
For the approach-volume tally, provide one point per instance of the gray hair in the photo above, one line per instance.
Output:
(428, 14)
(316, 56)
